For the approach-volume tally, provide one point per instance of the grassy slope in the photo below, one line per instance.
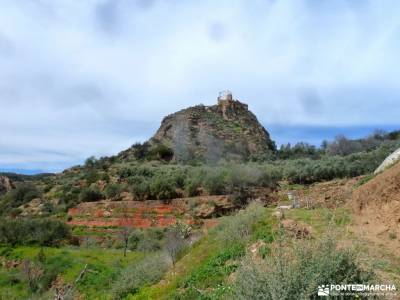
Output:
(203, 273)
(166, 288)
(102, 267)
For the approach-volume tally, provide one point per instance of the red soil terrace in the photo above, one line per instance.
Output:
(138, 214)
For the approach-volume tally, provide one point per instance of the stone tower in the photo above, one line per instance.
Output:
(229, 107)
(225, 96)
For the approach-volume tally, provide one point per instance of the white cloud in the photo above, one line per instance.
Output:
(91, 77)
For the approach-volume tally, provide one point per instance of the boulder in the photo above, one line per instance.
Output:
(223, 203)
(6, 185)
(389, 161)
(255, 250)
(297, 229)
(205, 211)
(278, 214)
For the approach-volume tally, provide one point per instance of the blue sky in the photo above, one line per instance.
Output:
(82, 78)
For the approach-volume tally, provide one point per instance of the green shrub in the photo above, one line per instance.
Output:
(163, 187)
(145, 272)
(294, 271)
(135, 237)
(340, 146)
(299, 150)
(140, 151)
(139, 186)
(90, 194)
(215, 181)
(92, 176)
(160, 152)
(23, 193)
(43, 232)
(177, 175)
(112, 190)
(238, 228)
(328, 167)
(146, 240)
(193, 181)
(170, 181)
(70, 199)
(48, 207)
(90, 162)
(140, 170)
(152, 240)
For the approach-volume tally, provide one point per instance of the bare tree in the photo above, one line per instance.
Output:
(33, 273)
(125, 234)
(174, 242)
(66, 291)
(126, 230)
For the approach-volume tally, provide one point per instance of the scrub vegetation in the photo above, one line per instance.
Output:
(43, 256)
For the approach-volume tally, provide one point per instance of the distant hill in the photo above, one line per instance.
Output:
(24, 177)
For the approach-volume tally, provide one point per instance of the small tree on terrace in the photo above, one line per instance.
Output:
(126, 230)
(32, 273)
(125, 234)
(175, 240)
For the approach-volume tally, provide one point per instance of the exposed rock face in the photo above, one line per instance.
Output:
(33, 207)
(150, 213)
(219, 205)
(389, 161)
(227, 130)
(5, 184)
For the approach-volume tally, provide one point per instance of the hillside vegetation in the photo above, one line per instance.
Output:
(155, 223)
(227, 262)
(146, 176)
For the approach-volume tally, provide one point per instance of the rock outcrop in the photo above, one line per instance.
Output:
(389, 161)
(149, 213)
(5, 185)
(226, 130)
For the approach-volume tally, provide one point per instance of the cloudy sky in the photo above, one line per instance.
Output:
(91, 77)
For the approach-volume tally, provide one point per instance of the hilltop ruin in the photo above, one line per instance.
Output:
(227, 130)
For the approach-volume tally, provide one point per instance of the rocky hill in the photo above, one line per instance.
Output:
(227, 130)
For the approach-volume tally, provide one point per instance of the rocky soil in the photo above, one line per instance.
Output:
(331, 194)
(376, 205)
